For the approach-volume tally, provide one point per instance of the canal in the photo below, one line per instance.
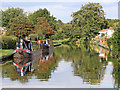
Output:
(67, 67)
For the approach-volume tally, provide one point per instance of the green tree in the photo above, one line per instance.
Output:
(88, 20)
(115, 41)
(112, 22)
(10, 13)
(43, 13)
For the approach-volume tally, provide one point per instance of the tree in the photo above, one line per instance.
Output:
(88, 20)
(21, 26)
(43, 13)
(10, 13)
(43, 28)
(112, 22)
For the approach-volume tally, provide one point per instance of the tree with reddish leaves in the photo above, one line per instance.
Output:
(43, 28)
(21, 26)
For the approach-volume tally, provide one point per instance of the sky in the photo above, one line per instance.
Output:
(62, 9)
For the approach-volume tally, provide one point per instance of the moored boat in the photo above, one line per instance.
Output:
(27, 51)
(45, 44)
(22, 52)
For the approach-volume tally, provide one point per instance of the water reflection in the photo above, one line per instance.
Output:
(107, 55)
(101, 51)
(116, 70)
(89, 63)
(41, 68)
(86, 64)
(44, 67)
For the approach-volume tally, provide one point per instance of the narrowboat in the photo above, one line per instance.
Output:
(45, 44)
(22, 52)
(27, 51)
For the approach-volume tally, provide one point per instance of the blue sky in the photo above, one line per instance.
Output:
(62, 9)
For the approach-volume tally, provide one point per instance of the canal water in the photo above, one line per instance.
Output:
(67, 67)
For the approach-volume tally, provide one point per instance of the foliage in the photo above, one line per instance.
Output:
(88, 20)
(8, 42)
(116, 70)
(43, 13)
(68, 30)
(112, 22)
(10, 13)
(115, 42)
(5, 52)
(59, 31)
(109, 42)
(43, 28)
(60, 41)
(33, 37)
(21, 26)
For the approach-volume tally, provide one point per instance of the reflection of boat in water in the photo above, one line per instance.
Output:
(36, 65)
(24, 55)
(22, 69)
(25, 50)
(45, 65)
(22, 52)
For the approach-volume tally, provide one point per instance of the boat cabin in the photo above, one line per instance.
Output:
(45, 42)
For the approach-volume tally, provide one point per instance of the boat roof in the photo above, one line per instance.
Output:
(43, 39)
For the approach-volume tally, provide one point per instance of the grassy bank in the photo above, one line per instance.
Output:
(55, 42)
(5, 52)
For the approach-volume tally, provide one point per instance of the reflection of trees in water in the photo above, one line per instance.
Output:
(116, 70)
(9, 71)
(45, 68)
(89, 67)
(42, 71)
(86, 63)
(116, 75)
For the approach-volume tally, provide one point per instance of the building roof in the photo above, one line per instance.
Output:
(3, 28)
(103, 30)
(111, 28)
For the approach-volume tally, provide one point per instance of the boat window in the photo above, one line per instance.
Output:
(44, 42)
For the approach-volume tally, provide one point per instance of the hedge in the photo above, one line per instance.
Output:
(109, 42)
(33, 37)
(8, 42)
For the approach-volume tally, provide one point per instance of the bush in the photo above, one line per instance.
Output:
(8, 42)
(109, 42)
(33, 37)
(82, 40)
(98, 41)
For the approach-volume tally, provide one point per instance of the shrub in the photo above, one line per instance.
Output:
(33, 36)
(98, 41)
(109, 42)
(8, 42)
